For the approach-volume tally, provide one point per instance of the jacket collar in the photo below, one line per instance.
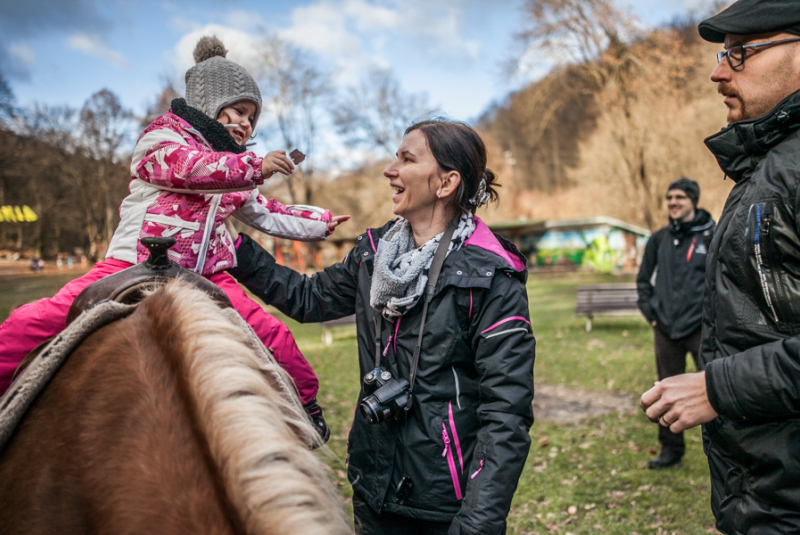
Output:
(702, 221)
(740, 146)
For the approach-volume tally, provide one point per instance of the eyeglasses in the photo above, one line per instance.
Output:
(736, 54)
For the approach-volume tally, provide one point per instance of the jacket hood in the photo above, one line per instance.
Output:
(702, 221)
(739, 146)
(485, 239)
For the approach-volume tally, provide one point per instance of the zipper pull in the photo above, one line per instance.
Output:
(767, 217)
(446, 440)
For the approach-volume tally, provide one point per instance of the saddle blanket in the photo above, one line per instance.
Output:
(23, 391)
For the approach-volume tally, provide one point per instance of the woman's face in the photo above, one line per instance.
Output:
(414, 177)
(238, 118)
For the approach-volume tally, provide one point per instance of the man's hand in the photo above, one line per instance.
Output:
(679, 402)
(336, 221)
(276, 162)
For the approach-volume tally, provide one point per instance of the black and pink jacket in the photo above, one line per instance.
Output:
(466, 440)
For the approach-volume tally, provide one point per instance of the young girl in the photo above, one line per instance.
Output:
(190, 170)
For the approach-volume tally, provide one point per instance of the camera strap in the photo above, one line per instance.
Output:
(433, 277)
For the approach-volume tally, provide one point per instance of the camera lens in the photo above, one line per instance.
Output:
(373, 411)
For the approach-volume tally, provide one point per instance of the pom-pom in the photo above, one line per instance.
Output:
(208, 47)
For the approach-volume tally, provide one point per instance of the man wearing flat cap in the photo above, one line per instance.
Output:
(670, 285)
(748, 392)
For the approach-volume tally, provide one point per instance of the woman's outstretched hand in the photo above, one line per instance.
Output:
(276, 162)
(335, 221)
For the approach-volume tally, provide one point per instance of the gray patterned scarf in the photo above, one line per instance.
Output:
(401, 270)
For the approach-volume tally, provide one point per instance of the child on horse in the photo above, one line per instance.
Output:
(191, 170)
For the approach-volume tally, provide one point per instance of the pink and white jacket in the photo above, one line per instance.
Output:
(181, 187)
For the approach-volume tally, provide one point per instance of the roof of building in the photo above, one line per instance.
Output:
(566, 225)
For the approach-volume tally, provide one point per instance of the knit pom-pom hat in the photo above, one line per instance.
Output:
(216, 82)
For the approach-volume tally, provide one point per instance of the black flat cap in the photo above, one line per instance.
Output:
(750, 17)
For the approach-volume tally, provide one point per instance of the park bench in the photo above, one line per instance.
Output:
(327, 332)
(617, 299)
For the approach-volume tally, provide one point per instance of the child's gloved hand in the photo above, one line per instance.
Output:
(276, 162)
(314, 412)
(334, 222)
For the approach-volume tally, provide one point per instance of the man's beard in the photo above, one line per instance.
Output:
(726, 91)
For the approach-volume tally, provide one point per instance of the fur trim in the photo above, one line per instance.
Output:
(217, 135)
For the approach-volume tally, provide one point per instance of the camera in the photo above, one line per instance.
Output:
(384, 396)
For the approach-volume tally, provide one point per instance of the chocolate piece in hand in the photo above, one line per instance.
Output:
(297, 156)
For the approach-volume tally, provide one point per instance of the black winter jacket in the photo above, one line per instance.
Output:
(466, 440)
(677, 253)
(751, 327)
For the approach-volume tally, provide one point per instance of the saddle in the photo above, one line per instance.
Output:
(131, 285)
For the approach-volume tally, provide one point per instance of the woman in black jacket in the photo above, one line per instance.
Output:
(447, 452)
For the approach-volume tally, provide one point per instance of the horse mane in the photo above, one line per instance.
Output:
(255, 433)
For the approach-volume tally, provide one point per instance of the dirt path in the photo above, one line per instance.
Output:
(564, 404)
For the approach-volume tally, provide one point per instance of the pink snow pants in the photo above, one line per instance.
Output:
(32, 324)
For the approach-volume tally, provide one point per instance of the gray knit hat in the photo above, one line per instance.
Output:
(215, 82)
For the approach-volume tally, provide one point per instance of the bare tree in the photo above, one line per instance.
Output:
(295, 94)
(376, 113)
(162, 102)
(634, 79)
(106, 127)
(6, 101)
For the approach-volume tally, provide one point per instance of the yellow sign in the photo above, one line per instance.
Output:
(17, 214)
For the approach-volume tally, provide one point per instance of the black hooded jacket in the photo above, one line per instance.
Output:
(751, 327)
(677, 254)
(466, 440)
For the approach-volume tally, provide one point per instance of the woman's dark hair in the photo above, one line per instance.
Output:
(457, 147)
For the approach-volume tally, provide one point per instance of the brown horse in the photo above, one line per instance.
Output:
(167, 421)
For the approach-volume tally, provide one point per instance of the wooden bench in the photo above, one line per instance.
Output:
(327, 332)
(617, 299)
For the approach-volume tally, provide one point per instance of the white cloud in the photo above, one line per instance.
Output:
(370, 18)
(244, 20)
(242, 46)
(354, 35)
(95, 47)
(324, 29)
(22, 54)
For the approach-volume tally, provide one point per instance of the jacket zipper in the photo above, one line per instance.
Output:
(691, 250)
(762, 271)
(769, 251)
(452, 421)
(212, 212)
(451, 463)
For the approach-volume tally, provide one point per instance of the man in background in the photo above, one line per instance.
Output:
(748, 392)
(670, 285)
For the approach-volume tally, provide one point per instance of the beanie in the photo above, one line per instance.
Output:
(689, 187)
(216, 82)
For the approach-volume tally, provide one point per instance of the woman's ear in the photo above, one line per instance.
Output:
(450, 182)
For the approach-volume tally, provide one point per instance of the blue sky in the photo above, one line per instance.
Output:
(62, 51)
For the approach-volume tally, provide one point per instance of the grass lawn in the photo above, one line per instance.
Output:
(581, 478)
